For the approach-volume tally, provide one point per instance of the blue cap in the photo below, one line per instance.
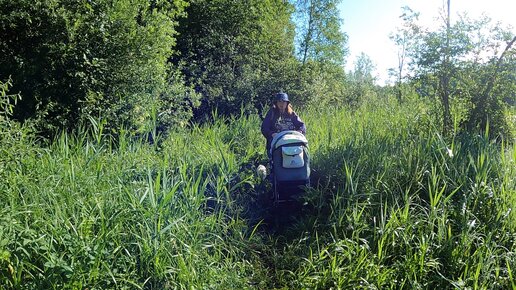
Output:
(281, 97)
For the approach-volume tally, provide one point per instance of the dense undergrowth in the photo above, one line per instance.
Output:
(394, 205)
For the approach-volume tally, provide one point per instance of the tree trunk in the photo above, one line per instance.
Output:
(308, 36)
(445, 78)
(401, 62)
(483, 103)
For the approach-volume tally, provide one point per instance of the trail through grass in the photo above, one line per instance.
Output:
(394, 205)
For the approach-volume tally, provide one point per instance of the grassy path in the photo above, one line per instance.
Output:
(394, 205)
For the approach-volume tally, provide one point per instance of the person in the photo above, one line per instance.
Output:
(280, 117)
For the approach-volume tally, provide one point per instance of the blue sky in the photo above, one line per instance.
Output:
(368, 24)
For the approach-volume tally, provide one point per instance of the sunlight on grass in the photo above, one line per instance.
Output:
(394, 205)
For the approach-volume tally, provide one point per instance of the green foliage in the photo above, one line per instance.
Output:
(7, 102)
(464, 65)
(489, 100)
(321, 50)
(400, 207)
(405, 38)
(72, 59)
(85, 214)
(360, 82)
(318, 34)
(319, 84)
(394, 205)
(15, 139)
(235, 54)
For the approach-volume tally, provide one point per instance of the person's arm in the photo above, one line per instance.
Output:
(266, 125)
(299, 124)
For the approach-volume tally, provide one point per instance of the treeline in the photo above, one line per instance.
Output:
(468, 65)
(139, 64)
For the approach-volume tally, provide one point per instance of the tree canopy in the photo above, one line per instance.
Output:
(144, 64)
(70, 59)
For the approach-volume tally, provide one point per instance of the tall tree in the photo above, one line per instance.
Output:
(404, 39)
(436, 55)
(444, 75)
(465, 62)
(364, 69)
(71, 59)
(486, 105)
(236, 53)
(319, 36)
(361, 81)
(321, 49)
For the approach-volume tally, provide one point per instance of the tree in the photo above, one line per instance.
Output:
(462, 63)
(319, 35)
(432, 55)
(236, 53)
(7, 102)
(364, 69)
(361, 79)
(444, 76)
(72, 59)
(404, 39)
(321, 49)
(488, 102)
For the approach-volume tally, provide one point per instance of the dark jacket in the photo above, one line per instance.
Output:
(275, 123)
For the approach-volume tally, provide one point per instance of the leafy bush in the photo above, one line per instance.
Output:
(73, 59)
(236, 54)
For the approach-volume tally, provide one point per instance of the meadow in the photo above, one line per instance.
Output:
(394, 205)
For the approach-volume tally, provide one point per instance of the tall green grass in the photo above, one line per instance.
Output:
(84, 213)
(405, 207)
(394, 205)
